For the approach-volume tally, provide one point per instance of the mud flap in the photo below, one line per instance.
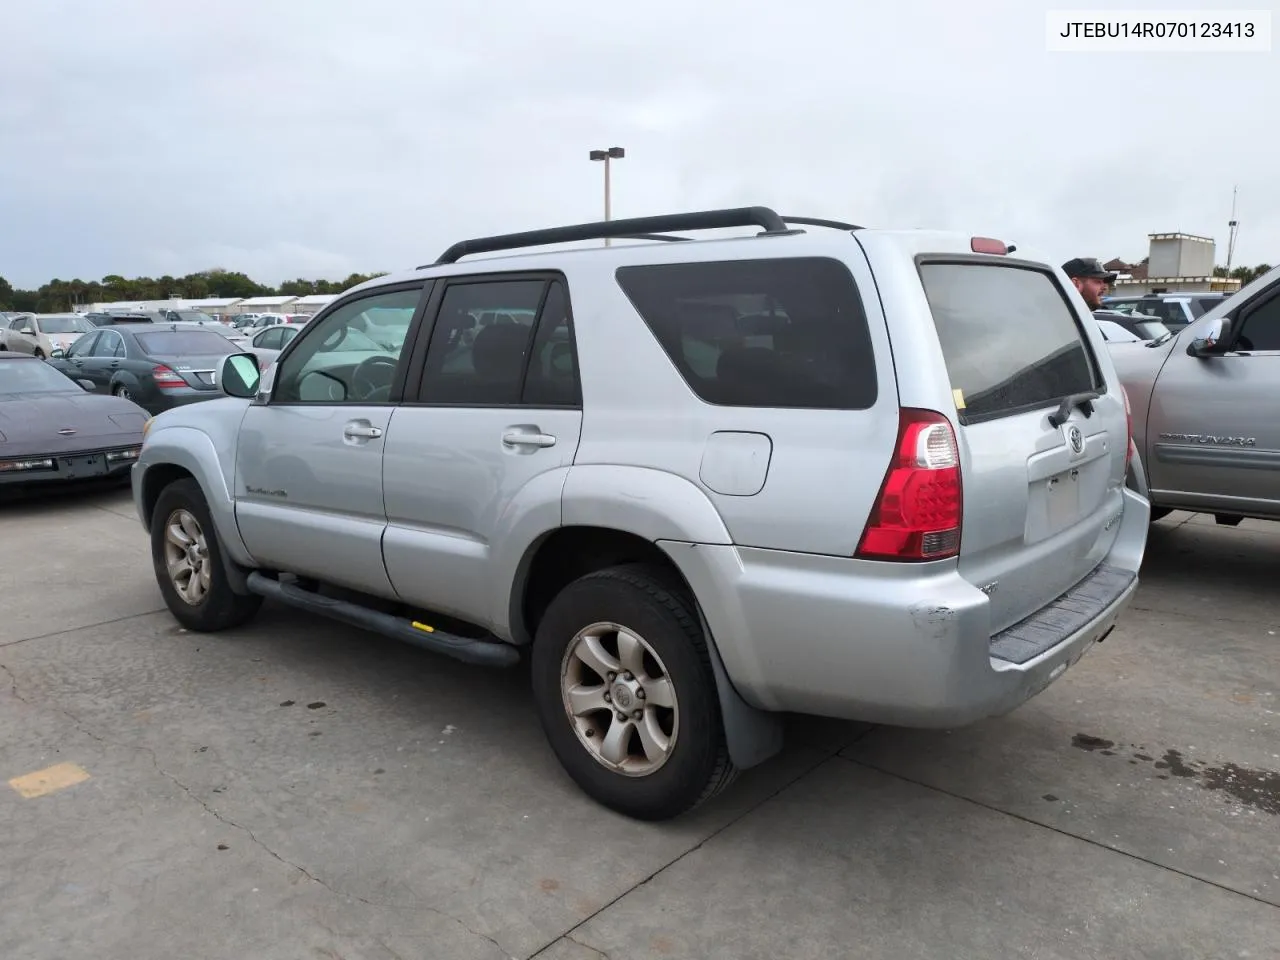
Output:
(752, 735)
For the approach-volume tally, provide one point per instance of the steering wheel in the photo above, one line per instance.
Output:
(373, 375)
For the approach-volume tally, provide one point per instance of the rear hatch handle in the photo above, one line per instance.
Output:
(1082, 400)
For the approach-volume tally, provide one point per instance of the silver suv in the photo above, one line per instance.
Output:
(855, 473)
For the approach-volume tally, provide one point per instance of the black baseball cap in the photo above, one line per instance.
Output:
(1087, 268)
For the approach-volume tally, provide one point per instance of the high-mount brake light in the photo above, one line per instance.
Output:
(988, 245)
(918, 514)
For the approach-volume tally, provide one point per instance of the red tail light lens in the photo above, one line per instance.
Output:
(165, 378)
(918, 514)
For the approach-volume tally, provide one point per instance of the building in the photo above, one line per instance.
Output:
(265, 305)
(1175, 263)
(313, 303)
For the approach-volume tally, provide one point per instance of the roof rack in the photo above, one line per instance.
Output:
(647, 227)
(816, 222)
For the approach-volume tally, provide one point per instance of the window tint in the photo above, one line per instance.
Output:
(1203, 305)
(109, 344)
(1261, 327)
(351, 354)
(552, 380)
(1009, 337)
(480, 341)
(760, 333)
(185, 343)
(83, 347)
(268, 340)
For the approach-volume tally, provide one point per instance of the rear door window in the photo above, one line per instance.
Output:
(1009, 336)
(760, 333)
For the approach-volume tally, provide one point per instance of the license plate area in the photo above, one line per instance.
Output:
(80, 467)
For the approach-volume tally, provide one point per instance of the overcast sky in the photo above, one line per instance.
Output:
(322, 137)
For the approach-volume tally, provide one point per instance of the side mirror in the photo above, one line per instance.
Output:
(57, 353)
(238, 375)
(86, 384)
(1210, 340)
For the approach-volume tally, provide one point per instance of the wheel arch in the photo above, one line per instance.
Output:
(564, 555)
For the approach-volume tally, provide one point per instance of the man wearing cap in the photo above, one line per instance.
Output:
(1090, 278)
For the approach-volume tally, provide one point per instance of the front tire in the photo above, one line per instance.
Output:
(187, 559)
(626, 695)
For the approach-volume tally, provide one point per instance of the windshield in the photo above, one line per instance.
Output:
(185, 343)
(32, 376)
(63, 324)
(192, 316)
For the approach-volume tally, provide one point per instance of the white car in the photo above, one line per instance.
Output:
(1114, 333)
(42, 333)
(267, 344)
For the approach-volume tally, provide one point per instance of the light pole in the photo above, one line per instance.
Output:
(613, 153)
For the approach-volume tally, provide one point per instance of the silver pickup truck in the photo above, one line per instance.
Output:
(1206, 409)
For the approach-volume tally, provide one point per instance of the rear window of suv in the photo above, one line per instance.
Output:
(760, 333)
(1010, 338)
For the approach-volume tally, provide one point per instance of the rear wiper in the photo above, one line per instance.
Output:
(1163, 338)
(1082, 400)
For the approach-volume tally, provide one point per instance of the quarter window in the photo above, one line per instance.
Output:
(760, 333)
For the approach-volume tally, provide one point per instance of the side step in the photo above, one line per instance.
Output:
(485, 653)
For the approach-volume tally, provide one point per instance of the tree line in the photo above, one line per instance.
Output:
(67, 295)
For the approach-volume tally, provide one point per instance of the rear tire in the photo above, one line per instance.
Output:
(187, 559)
(648, 743)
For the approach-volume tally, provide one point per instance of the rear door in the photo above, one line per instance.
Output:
(1041, 497)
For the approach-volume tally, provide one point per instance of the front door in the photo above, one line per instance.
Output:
(1214, 426)
(308, 480)
(479, 452)
(102, 360)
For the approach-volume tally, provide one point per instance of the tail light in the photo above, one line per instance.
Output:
(918, 513)
(1128, 422)
(165, 378)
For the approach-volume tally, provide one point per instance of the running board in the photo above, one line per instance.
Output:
(485, 653)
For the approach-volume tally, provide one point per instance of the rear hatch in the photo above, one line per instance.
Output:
(1041, 473)
(193, 355)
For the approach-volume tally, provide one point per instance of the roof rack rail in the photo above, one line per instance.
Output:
(816, 222)
(664, 237)
(762, 217)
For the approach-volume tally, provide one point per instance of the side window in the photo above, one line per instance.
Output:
(268, 340)
(83, 347)
(480, 341)
(351, 355)
(552, 380)
(1260, 327)
(760, 333)
(109, 345)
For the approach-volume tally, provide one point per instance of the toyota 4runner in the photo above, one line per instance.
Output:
(857, 473)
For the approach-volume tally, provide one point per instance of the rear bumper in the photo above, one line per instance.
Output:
(887, 644)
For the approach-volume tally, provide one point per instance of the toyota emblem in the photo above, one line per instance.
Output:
(1076, 439)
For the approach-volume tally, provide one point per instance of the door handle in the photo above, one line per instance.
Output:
(517, 439)
(361, 431)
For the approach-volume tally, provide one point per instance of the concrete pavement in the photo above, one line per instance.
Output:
(297, 789)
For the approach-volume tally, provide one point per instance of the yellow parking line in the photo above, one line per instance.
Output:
(49, 780)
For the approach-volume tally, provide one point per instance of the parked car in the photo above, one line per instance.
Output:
(1113, 332)
(40, 334)
(1135, 325)
(1206, 421)
(697, 483)
(267, 344)
(158, 366)
(1175, 310)
(52, 432)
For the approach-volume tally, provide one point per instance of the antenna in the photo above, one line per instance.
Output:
(1234, 226)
